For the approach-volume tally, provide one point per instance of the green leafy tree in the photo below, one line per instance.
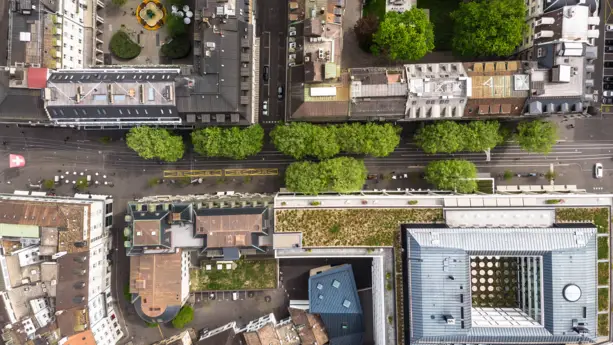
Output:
(48, 184)
(178, 47)
(230, 142)
(343, 175)
(537, 136)
(305, 177)
(488, 27)
(185, 316)
(441, 137)
(175, 25)
(364, 30)
(370, 139)
(81, 184)
(481, 135)
(123, 47)
(300, 139)
(455, 175)
(119, 2)
(404, 36)
(150, 143)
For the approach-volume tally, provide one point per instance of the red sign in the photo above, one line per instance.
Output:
(16, 161)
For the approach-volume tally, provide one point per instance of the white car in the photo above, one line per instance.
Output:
(265, 108)
(607, 93)
(609, 27)
(598, 170)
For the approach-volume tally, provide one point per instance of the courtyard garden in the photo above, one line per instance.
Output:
(246, 275)
(351, 227)
(600, 217)
(123, 47)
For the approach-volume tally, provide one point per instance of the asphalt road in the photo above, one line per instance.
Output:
(272, 21)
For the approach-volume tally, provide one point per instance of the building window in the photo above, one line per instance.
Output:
(540, 53)
(79, 62)
(80, 41)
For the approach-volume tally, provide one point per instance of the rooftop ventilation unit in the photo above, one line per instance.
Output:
(449, 319)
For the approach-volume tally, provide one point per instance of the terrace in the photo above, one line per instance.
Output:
(241, 275)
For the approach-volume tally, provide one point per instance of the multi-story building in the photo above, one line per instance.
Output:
(502, 285)
(164, 236)
(56, 277)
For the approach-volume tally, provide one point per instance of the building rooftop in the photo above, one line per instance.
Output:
(72, 321)
(73, 281)
(333, 296)
(156, 279)
(230, 227)
(223, 53)
(311, 328)
(83, 338)
(111, 93)
(459, 261)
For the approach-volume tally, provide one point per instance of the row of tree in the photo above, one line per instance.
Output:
(342, 175)
(233, 142)
(481, 28)
(476, 136)
(300, 139)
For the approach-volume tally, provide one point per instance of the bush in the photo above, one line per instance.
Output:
(178, 47)
(315, 203)
(48, 184)
(123, 47)
(413, 202)
(119, 2)
(185, 316)
(554, 201)
(508, 174)
(175, 25)
(82, 184)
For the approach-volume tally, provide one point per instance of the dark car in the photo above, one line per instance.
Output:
(607, 86)
(608, 49)
(608, 64)
(265, 74)
(608, 42)
(607, 79)
(280, 92)
(607, 100)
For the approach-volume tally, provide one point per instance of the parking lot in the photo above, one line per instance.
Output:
(606, 52)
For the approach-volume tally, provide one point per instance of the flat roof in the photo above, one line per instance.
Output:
(229, 227)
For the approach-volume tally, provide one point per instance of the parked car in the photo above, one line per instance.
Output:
(608, 64)
(598, 170)
(607, 86)
(607, 79)
(609, 27)
(608, 42)
(280, 92)
(607, 93)
(608, 49)
(265, 108)
(606, 100)
(265, 74)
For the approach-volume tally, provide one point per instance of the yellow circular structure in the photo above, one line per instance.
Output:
(151, 14)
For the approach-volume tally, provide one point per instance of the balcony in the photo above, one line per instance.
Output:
(99, 19)
(100, 3)
(99, 51)
(99, 41)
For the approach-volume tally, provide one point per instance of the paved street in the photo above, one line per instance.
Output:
(605, 61)
(272, 19)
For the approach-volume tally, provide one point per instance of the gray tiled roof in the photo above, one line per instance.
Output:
(333, 295)
(568, 257)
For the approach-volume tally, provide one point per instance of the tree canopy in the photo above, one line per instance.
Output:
(231, 142)
(123, 47)
(175, 25)
(178, 47)
(455, 175)
(119, 2)
(451, 136)
(488, 27)
(185, 316)
(404, 36)
(150, 143)
(300, 140)
(537, 136)
(342, 174)
(364, 30)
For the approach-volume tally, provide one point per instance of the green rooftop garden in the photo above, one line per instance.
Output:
(603, 273)
(351, 227)
(598, 216)
(603, 247)
(603, 299)
(247, 275)
(603, 325)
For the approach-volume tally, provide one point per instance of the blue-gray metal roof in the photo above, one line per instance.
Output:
(436, 254)
(334, 296)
